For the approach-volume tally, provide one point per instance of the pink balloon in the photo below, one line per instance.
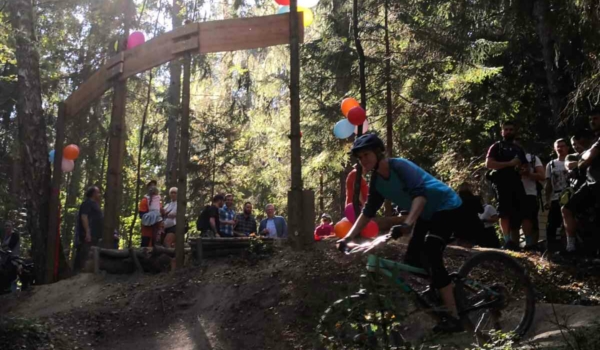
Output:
(365, 127)
(349, 213)
(371, 231)
(67, 165)
(135, 39)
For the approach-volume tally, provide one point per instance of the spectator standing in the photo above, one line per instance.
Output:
(273, 226)
(168, 239)
(11, 239)
(504, 158)
(208, 222)
(589, 193)
(227, 217)
(489, 217)
(90, 223)
(364, 188)
(531, 173)
(581, 141)
(150, 210)
(325, 229)
(556, 182)
(245, 221)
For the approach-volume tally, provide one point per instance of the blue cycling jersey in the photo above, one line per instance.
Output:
(406, 182)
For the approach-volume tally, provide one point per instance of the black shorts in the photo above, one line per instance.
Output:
(510, 197)
(426, 247)
(587, 197)
(171, 229)
(529, 208)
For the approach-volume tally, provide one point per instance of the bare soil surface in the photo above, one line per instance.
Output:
(236, 303)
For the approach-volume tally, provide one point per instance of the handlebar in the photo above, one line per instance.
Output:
(395, 233)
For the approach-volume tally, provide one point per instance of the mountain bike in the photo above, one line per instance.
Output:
(394, 307)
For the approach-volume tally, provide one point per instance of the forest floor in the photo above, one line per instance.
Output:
(237, 303)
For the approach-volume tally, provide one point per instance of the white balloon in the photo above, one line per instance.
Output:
(308, 3)
(365, 127)
(67, 165)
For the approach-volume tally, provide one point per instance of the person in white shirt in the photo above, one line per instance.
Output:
(170, 222)
(557, 180)
(489, 217)
(531, 172)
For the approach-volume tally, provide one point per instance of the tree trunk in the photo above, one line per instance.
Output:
(139, 160)
(541, 12)
(32, 131)
(388, 98)
(173, 109)
(183, 162)
(363, 100)
(321, 194)
(116, 152)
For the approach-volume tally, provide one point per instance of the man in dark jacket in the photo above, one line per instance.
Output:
(11, 239)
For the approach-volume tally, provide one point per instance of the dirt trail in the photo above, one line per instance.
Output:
(231, 303)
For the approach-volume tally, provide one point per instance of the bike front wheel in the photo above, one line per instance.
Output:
(495, 294)
(366, 321)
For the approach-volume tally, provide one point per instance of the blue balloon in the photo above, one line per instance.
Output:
(51, 156)
(343, 129)
(283, 9)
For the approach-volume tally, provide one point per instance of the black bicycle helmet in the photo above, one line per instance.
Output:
(368, 142)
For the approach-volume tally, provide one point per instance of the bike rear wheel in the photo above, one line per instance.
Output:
(494, 293)
(366, 321)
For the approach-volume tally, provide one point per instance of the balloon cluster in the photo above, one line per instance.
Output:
(342, 228)
(355, 116)
(70, 153)
(303, 6)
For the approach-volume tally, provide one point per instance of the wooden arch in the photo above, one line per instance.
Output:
(193, 38)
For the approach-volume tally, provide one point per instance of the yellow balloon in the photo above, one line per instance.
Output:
(308, 15)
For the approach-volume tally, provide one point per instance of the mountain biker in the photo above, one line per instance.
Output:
(433, 209)
(589, 193)
(504, 158)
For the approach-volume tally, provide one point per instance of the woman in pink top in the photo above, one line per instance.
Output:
(325, 229)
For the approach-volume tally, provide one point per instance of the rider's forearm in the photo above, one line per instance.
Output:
(594, 152)
(416, 208)
(491, 163)
(358, 226)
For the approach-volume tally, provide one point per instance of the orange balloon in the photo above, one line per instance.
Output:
(342, 228)
(348, 104)
(71, 152)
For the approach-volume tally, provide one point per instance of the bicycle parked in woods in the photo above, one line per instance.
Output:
(492, 290)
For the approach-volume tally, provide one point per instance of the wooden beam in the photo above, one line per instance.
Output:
(215, 36)
(54, 212)
(247, 33)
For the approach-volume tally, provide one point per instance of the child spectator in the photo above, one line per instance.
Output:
(325, 229)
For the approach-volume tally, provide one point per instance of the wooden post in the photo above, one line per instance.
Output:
(183, 161)
(199, 251)
(295, 194)
(116, 146)
(136, 261)
(96, 251)
(54, 210)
